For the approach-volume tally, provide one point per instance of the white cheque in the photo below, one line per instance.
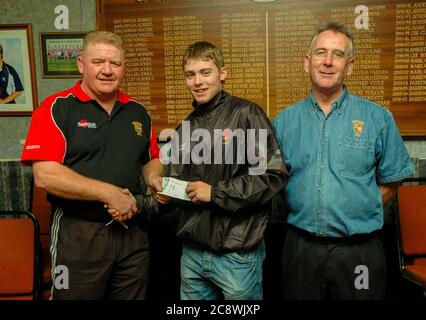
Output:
(175, 188)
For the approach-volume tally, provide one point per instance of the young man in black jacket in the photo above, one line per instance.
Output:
(234, 168)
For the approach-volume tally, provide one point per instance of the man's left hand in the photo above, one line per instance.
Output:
(199, 191)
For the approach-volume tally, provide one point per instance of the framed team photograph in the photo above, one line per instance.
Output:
(59, 52)
(18, 86)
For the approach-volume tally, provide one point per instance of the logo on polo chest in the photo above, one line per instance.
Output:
(83, 123)
(138, 127)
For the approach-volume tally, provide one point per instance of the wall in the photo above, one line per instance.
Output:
(417, 149)
(41, 14)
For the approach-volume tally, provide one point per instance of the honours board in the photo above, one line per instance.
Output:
(263, 43)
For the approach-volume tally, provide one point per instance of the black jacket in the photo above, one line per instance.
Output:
(236, 217)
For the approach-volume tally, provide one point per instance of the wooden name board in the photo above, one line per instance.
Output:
(264, 43)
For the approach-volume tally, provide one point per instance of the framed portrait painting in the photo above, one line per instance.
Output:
(18, 87)
(59, 52)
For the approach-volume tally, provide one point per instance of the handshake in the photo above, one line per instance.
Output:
(123, 205)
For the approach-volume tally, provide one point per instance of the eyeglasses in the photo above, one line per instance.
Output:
(336, 54)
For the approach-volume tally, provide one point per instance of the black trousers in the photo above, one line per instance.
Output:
(316, 268)
(101, 261)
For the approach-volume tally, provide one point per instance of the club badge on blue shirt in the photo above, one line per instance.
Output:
(358, 127)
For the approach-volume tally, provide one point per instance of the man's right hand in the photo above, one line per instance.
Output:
(156, 185)
(122, 204)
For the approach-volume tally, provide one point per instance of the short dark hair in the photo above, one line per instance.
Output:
(204, 50)
(335, 26)
(1, 51)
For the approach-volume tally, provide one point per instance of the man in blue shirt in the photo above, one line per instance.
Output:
(10, 83)
(346, 158)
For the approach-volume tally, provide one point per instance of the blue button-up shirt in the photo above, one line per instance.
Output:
(336, 163)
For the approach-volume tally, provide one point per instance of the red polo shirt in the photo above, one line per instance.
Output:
(71, 128)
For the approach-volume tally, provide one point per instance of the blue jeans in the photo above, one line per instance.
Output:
(209, 276)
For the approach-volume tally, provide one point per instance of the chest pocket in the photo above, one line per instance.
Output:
(355, 156)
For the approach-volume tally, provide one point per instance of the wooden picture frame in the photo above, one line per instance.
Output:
(17, 72)
(59, 52)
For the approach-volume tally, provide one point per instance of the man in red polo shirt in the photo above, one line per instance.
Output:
(88, 146)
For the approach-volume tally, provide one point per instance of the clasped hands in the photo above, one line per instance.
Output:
(123, 204)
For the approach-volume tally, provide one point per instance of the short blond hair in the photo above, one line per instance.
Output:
(205, 51)
(108, 37)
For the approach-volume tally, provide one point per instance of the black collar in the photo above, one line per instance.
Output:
(212, 104)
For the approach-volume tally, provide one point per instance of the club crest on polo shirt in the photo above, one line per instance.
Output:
(138, 127)
(358, 127)
(83, 123)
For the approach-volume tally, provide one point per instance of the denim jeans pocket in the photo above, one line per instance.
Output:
(243, 257)
(249, 257)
